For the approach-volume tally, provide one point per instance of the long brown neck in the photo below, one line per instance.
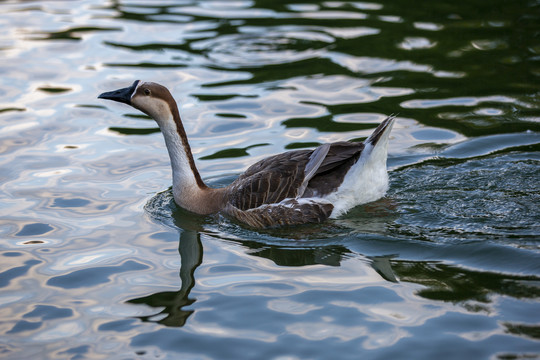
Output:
(189, 190)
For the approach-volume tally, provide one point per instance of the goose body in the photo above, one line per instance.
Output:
(295, 187)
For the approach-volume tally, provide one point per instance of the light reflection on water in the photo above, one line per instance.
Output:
(97, 261)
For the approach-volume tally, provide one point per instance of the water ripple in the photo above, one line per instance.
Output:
(262, 48)
(97, 257)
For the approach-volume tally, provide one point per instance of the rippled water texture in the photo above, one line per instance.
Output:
(96, 261)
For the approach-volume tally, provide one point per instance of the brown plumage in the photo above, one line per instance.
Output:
(257, 196)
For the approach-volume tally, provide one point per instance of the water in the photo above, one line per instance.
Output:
(98, 262)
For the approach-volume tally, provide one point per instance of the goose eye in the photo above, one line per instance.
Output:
(146, 91)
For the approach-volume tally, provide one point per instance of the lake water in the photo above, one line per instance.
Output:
(96, 261)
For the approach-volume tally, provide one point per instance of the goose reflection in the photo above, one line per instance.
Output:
(190, 250)
(474, 290)
(174, 304)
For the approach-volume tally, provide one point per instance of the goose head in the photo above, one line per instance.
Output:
(151, 98)
(189, 191)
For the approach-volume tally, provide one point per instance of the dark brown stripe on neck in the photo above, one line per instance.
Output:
(180, 130)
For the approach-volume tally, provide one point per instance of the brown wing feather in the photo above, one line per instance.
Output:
(289, 212)
(330, 175)
(270, 180)
(267, 194)
(279, 177)
(339, 153)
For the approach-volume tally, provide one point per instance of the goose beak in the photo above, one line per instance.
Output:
(121, 95)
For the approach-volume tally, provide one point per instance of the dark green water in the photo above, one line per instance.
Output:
(96, 261)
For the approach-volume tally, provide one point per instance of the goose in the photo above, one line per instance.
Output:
(291, 188)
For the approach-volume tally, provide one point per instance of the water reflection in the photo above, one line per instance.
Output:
(429, 282)
(173, 302)
(473, 289)
(190, 249)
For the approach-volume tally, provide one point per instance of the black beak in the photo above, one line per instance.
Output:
(121, 95)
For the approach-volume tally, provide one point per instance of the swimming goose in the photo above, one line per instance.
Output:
(295, 187)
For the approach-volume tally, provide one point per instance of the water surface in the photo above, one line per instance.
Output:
(98, 262)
